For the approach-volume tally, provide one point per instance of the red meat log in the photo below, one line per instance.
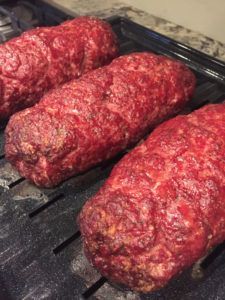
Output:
(91, 119)
(163, 206)
(43, 58)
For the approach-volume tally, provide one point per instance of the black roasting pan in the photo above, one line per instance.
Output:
(40, 244)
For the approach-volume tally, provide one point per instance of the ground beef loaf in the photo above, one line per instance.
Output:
(45, 57)
(163, 205)
(91, 119)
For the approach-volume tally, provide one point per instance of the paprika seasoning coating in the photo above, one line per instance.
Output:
(163, 206)
(89, 120)
(45, 57)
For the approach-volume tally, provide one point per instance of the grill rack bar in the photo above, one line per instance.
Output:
(64, 244)
(96, 286)
(46, 205)
(14, 183)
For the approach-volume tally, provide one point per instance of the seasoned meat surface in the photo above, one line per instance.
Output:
(91, 119)
(163, 206)
(43, 58)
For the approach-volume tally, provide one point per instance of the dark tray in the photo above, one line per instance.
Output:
(40, 247)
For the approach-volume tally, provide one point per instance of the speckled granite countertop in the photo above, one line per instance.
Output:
(107, 8)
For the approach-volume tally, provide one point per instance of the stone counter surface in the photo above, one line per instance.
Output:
(107, 8)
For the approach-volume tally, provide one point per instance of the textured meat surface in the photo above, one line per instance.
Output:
(45, 57)
(91, 119)
(163, 205)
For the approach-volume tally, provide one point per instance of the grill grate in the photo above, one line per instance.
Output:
(40, 250)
